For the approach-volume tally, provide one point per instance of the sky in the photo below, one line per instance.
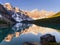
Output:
(49, 5)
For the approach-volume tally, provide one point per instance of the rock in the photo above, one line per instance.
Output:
(47, 38)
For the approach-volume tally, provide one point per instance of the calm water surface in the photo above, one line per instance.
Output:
(22, 32)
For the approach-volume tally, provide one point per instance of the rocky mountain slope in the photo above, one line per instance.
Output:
(5, 16)
(11, 14)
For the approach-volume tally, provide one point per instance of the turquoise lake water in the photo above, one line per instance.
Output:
(19, 33)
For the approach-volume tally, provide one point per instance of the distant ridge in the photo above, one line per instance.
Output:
(56, 15)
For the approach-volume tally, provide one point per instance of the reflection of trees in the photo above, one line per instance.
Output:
(4, 32)
(48, 22)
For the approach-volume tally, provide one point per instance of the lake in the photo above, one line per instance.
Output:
(23, 32)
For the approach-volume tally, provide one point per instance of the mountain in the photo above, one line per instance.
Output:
(36, 14)
(51, 22)
(17, 14)
(12, 14)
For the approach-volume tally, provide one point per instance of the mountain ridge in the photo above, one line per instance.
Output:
(34, 14)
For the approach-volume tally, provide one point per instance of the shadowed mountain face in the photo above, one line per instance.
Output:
(52, 22)
(5, 15)
(5, 32)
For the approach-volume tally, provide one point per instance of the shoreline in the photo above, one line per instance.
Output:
(4, 25)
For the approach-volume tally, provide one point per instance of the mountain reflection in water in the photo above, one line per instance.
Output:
(22, 32)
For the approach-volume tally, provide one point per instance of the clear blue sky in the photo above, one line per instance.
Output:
(49, 5)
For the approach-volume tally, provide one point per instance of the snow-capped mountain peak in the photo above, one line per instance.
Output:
(8, 6)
